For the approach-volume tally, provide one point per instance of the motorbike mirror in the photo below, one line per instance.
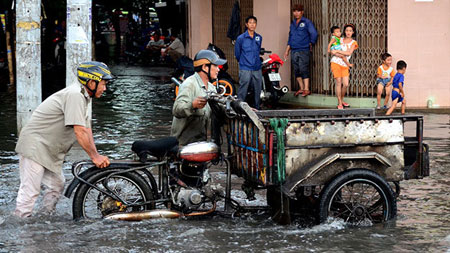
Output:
(263, 51)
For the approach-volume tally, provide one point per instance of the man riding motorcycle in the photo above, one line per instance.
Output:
(191, 110)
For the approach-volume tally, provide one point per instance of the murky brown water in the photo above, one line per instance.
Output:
(138, 106)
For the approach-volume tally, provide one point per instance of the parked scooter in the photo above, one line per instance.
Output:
(271, 91)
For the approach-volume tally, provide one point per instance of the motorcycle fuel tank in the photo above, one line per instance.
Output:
(199, 151)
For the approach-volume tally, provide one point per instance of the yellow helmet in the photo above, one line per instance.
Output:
(93, 70)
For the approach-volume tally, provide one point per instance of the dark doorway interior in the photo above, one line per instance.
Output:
(118, 26)
(122, 29)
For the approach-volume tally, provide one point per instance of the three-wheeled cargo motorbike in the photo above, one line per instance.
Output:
(345, 164)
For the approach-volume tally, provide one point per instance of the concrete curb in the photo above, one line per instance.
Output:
(326, 101)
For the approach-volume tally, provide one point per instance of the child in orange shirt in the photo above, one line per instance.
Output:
(385, 74)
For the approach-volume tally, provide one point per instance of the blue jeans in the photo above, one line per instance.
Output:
(249, 78)
(383, 81)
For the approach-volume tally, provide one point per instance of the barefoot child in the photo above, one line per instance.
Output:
(398, 93)
(385, 73)
(335, 44)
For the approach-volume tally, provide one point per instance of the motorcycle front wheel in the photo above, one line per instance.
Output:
(226, 87)
(131, 187)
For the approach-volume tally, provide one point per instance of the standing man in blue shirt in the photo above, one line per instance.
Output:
(246, 50)
(302, 35)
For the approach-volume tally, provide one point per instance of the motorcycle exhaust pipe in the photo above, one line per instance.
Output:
(138, 216)
(155, 214)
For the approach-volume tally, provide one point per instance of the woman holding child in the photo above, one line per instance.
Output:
(338, 66)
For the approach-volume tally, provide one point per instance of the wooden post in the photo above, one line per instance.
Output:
(28, 59)
(79, 36)
(9, 49)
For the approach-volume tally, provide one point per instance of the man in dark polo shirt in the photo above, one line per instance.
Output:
(55, 125)
(302, 36)
(246, 50)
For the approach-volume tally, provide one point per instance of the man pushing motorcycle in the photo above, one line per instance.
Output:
(191, 110)
(55, 125)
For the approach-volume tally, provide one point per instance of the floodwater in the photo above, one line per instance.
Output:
(138, 106)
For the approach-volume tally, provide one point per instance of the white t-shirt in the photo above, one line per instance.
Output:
(345, 47)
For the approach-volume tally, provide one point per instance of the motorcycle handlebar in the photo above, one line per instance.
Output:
(230, 104)
(176, 81)
(263, 51)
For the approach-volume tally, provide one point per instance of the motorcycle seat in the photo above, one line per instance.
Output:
(158, 148)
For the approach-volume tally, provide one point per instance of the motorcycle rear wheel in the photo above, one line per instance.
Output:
(90, 203)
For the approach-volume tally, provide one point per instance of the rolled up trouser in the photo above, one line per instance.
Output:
(32, 175)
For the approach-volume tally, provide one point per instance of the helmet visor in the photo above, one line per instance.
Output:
(219, 61)
(108, 77)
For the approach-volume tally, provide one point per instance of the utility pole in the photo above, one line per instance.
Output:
(28, 59)
(79, 36)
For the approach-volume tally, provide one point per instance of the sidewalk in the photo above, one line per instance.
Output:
(326, 101)
(330, 102)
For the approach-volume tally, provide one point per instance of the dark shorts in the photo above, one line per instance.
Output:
(300, 60)
(395, 95)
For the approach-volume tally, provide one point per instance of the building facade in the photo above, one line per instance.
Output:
(416, 31)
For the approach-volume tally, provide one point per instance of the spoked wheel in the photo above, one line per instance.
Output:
(91, 203)
(226, 87)
(358, 197)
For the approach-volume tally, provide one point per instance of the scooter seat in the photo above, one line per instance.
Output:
(157, 148)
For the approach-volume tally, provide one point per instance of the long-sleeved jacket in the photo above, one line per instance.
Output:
(189, 124)
(247, 50)
(301, 35)
(234, 27)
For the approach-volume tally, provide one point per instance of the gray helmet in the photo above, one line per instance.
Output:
(93, 70)
(207, 57)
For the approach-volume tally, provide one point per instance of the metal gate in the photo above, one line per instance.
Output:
(221, 17)
(370, 20)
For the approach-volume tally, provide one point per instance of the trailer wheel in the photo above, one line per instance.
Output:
(358, 197)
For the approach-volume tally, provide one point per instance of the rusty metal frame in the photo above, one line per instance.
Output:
(316, 113)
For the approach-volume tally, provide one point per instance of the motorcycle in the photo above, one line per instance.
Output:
(271, 91)
(271, 78)
(183, 187)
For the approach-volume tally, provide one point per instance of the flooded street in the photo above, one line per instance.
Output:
(138, 106)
